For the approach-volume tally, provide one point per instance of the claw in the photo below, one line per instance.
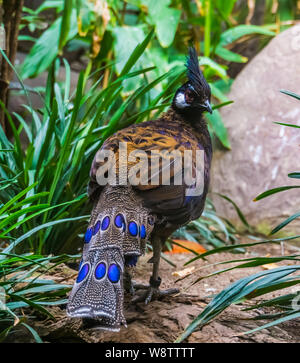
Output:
(149, 295)
(153, 293)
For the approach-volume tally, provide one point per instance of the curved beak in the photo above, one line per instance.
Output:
(207, 107)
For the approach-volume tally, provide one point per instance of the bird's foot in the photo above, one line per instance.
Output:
(152, 291)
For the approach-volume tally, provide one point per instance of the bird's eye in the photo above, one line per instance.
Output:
(189, 97)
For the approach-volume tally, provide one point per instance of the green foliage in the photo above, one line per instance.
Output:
(42, 187)
(164, 19)
(249, 287)
(62, 141)
(134, 52)
(112, 29)
(284, 11)
(21, 278)
(66, 133)
(260, 283)
(21, 282)
(48, 46)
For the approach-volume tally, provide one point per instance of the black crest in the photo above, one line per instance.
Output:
(194, 73)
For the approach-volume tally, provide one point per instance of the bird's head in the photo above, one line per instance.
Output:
(194, 96)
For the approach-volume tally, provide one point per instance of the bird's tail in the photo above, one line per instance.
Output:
(116, 236)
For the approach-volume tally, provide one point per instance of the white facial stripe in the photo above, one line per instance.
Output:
(180, 101)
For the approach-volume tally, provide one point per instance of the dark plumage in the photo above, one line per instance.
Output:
(195, 76)
(127, 215)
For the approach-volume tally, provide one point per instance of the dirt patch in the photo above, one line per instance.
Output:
(163, 321)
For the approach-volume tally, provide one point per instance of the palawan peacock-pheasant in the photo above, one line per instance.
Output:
(127, 215)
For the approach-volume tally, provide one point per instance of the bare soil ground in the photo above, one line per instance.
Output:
(163, 321)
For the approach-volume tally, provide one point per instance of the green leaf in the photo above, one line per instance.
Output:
(65, 25)
(294, 175)
(292, 94)
(32, 304)
(46, 48)
(207, 4)
(237, 209)
(233, 34)
(29, 200)
(225, 7)
(42, 289)
(277, 301)
(14, 199)
(244, 245)
(288, 125)
(67, 141)
(127, 41)
(230, 56)
(285, 223)
(275, 191)
(33, 332)
(291, 316)
(234, 293)
(166, 22)
(36, 229)
(17, 75)
(218, 93)
(220, 105)
(57, 4)
(217, 68)
(26, 38)
(219, 128)
(18, 148)
(25, 126)
(21, 212)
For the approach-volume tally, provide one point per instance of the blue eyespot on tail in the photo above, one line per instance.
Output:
(143, 231)
(96, 228)
(119, 221)
(133, 228)
(113, 273)
(105, 223)
(83, 273)
(100, 271)
(88, 235)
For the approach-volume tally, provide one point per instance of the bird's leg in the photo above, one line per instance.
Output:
(130, 285)
(155, 281)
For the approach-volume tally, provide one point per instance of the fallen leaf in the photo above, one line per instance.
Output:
(16, 321)
(183, 273)
(196, 247)
(269, 266)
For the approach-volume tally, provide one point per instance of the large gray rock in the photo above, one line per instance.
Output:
(263, 153)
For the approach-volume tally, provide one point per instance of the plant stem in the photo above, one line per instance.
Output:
(207, 38)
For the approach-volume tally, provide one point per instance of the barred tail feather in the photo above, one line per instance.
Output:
(117, 235)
